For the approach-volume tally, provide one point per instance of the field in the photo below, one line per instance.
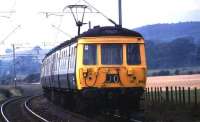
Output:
(9, 91)
(172, 71)
(178, 80)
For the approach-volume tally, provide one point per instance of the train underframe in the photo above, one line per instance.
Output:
(95, 100)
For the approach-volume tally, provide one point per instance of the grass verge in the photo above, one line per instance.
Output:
(172, 113)
(8, 91)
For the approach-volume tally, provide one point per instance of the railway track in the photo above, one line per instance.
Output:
(18, 110)
(119, 118)
(23, 109)
(26, 104)
(134, 116)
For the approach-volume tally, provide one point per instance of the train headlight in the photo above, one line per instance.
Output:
(133, 79)
(130, 72)
(84, 75)
(85, 72)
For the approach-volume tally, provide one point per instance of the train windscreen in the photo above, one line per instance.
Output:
(90, 54)
(133, 54)
(111, 54)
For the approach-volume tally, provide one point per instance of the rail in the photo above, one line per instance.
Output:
(31, 111)
(27, 108)
(123, 117)
(6, 103)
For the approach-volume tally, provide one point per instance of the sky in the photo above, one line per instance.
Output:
(29, 26)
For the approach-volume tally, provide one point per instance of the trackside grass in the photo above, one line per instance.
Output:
(9, 91)
(172, 104)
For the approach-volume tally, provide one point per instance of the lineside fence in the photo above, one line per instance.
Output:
(174, 95)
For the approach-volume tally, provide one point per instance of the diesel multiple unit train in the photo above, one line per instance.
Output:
(102, 68)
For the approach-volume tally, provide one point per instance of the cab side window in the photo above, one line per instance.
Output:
(133, 54)
(90, 54)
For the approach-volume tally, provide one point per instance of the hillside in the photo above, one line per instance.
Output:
(181, 52)
(27, 64)
(172, 46)
(169, 32)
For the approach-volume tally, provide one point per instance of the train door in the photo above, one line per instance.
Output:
(55, 69)
(62, 69)
(58, 67)
(71, 66)
(48, 73)
(45, 73)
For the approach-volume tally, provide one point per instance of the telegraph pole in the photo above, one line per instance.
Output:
(14, 68)
(120, 12)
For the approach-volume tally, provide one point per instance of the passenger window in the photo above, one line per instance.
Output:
(71, 51)
(89, 54)
(75, 50)
(111, 54)
(67, 52)
(133, 54)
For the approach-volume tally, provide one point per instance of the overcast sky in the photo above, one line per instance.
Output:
(35, 28)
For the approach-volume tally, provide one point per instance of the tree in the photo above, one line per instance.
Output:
(37, 49)
(177, 72)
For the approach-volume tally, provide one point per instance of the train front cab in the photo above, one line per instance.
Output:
(111, 68)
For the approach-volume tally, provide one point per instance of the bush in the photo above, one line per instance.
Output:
(32, 78)
(190, 72)
(177, 72)
(164, 73)
(161, 73)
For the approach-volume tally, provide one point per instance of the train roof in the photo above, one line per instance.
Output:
(109, 31)
(98, 31)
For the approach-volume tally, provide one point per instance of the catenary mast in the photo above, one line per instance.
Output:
(120, 12)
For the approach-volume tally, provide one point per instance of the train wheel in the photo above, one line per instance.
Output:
(79, 107)
(52, 97)
(57, 98)
(62, 100)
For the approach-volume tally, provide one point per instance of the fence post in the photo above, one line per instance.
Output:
(176, 96)
(183, 90)
(189, 100)
(179, 92)
(149, 97)
(152, 95)
(158, 95)
(147, 94)
(155, 94)
(195, 95)
(172, 100)
(167, 94)
(161, 95)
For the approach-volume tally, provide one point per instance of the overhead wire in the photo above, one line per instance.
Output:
(10, 12)
(57, 28)
(109, 19)
(13, 31)
(13, 6)
(59, 25)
